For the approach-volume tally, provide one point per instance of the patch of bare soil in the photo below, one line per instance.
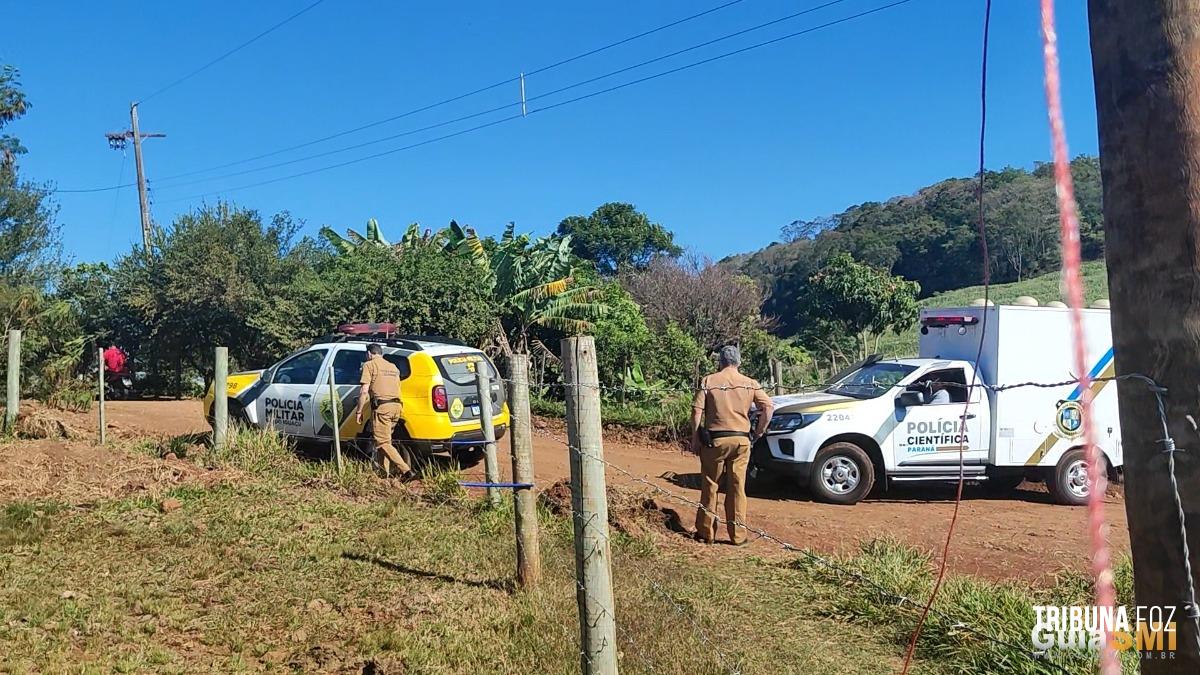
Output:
(1021, 535)
(56, 455)
(634, 512)
(80, 473)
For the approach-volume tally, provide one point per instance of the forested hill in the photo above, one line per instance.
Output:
(931, 237)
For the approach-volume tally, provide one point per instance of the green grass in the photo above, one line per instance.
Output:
(1000, 610)
(287, 566)
(267, 575)
(1045, 288)
(25, 523)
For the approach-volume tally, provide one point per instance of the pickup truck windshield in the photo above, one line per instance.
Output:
(872, 380)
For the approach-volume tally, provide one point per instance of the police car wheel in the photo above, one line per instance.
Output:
(1068, 481)
(237, 414)
(842, 473)
(468, 456)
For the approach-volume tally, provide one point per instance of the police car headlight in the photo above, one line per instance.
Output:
(792, 421)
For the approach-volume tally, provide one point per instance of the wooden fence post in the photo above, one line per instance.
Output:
(335, 413)
(777, 375)
(100, 385)
(220, 398)
(483, 387)
(529, 559)
(12, 404)
(589, 507)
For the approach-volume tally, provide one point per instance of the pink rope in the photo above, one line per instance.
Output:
(1069, 233)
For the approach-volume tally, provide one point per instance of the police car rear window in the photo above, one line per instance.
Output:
(460, 368)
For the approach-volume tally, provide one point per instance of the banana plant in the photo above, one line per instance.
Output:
(412, 239)
(532, 282)
(635, 381)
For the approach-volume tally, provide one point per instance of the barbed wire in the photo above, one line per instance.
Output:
(1192, 609)
(697, 629)
(901, 600)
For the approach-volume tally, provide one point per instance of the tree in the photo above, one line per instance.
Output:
(29, 243)
(807, 229)
(1022, 213)
(759, 347)
(219, 276)
(531, 284)
(424, 292)
(1144, 60)
(52, 341)
(89, 289)
(713, 303)
(621, 335)
(617, 236)
(931, 237)
(863, 300)
(13, 106)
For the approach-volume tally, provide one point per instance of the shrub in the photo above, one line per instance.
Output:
(74, 396)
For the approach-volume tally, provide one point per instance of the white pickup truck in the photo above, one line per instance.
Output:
(880, 423)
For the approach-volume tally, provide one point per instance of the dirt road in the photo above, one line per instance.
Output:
(1023, 535)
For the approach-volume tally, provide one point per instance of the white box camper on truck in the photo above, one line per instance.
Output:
(882, 422)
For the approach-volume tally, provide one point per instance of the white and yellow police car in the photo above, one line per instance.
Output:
(442, 409)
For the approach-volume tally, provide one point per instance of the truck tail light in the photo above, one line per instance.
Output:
(439, 399)
(943, 321)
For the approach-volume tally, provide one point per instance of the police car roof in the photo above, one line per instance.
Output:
(433, 346)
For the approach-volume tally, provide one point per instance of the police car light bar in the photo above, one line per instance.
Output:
(943, 321)
(384, 329)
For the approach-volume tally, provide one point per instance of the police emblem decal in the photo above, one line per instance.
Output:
(1068, 420)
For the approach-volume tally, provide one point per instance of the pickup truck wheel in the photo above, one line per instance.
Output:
(842, 473)
(1068, 481)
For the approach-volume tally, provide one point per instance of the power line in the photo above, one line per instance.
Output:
(481, 113)
(692, 48)
(560, 104)
(352, 161)
(631, 38)
(229, 53)
(356, 146)
(420, 109)
(347, 132)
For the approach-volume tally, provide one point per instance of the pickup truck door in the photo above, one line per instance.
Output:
(288, 402)
(928, 437)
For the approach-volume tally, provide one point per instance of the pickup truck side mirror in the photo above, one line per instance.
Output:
(909, 399)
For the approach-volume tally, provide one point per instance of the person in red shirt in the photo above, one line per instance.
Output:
(114, 359)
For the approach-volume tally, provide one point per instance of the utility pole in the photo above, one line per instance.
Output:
(1144, 58)
(118, 141)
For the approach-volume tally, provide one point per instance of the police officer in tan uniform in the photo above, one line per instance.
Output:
(381, 382)
(723, 442)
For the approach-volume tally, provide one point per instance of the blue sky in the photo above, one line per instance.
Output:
(723, 154)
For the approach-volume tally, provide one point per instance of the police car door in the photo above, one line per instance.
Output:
(927, 437)
(289, 403)
(347, 365)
